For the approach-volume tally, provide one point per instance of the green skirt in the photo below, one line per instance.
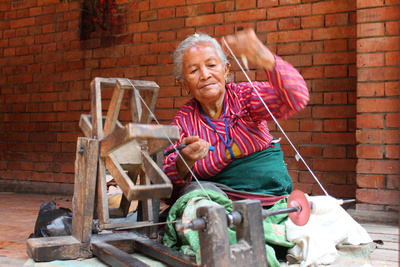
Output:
(263, 172)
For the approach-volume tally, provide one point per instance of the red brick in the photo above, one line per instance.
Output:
(168, 24)
(392, 28)
(393, 182)
(334, 165)
(267, 3)
(334, 58)
(201, 20)
(369, 3)
(288, 49)
(369, 136)
(371, 29)
(370, 181)
(225, 6)
(338, 152)
(163, 47)
(370, 151)
(336, 71)
(370, 60)
(309, 151)
(311, 126)
(381, 197)
(334, 138)
(336, 19)
(391, 136)
(21, 32)
(148, 15)
(289, 36)
(392, 88)
(327, 7)
(267, 26)
(166, 36)
(335, 98)
(289, 11)
(25, 22)
(378, 14)
(334, 33)
(370, 89)
(312, 21)
(377, 167)
(245, 4)
(190, 11)
(19, 79)
(165, 114)
(392, 120)
(370, 121)
(378, 105)
(289, 24)
(392, 58)
(311, 47)
(156, 4)
(223, 30)
(392, 151)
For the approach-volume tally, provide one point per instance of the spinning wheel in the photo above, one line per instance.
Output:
(126, 151)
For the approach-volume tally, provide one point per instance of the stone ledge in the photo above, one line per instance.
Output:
(378, 217)
(32, 187)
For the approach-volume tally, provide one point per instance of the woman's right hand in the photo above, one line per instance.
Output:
(246, 43)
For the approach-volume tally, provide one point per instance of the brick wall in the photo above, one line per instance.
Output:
(378, 105)
(51, 50)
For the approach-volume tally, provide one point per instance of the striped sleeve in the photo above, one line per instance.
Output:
(285, 93)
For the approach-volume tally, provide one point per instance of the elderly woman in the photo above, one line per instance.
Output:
(247, 161)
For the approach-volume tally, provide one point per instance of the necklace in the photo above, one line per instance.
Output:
(228, 140)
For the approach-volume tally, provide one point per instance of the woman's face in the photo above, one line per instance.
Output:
(204, 75)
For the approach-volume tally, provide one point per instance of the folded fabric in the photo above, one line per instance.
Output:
(317, 240)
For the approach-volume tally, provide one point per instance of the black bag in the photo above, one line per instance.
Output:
(52, 221)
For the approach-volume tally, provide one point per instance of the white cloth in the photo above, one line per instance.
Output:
(316, 241)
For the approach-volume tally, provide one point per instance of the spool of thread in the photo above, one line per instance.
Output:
(324, 204)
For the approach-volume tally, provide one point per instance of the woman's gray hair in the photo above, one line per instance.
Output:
(191, 41)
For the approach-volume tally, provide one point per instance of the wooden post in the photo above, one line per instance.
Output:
(84, 188)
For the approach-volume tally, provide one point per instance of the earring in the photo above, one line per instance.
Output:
(187, 92)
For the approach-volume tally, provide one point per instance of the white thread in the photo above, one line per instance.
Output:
(169, 139)
(323, 204)
(273, 117)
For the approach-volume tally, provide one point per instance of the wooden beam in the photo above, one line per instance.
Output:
(57, 248)
(153, 171)
(85, 124)
(133, 131)
(113, 109)
(84, 188)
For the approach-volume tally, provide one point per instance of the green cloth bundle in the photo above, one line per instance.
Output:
(187, 241)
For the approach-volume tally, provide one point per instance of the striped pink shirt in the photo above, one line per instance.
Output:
(285, 94)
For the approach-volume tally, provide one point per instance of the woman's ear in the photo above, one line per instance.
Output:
(183, 84)
(227, 68)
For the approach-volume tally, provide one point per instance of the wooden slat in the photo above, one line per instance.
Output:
(102, 200)
(136, 106)
(131, 191)
(113, 109)
(84, 188)
(150, 98)
(155, 174)
(57, 248)
(86, 125)
(129, 155)
(134, 131)
(97, 117)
